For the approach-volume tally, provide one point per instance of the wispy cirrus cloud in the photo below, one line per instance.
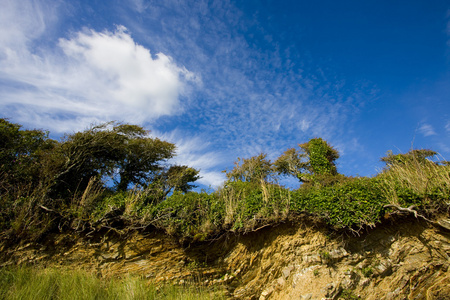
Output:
(254, 94)
(427, 130)
(254, 97)
(197, 153)
(447, 126)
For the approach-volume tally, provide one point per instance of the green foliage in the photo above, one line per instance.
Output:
(291, 162)
(190, 214)
(313, 163)
(412, 179)
(355, 202)
(44, 183)
(321, 157)
(325, 255)
(367, 271)
(121, 151)
(347, 294)
(253, 169)
(417, 156)
(178, 179)
(47, 185)
(23, 156)
(251, 204)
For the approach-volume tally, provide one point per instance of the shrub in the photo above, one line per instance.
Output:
(411, 179)
(190, 214)
(356, 202)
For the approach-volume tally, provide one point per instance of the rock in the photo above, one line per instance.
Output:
(265, 294)
(445, 223)
(383, 268)
(364, 282)
(287, 271)
(338, 254)
(312, 259)
(306, 297)
(347, 283)
(331, 290)
(281, 282)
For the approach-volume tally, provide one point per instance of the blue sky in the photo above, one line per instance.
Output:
(228, 79)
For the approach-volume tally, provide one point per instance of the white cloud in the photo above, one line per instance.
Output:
(427, 130)
(138, 5)
(20, 22)
(195, 152)
(447, 126)
(254, 97)
(92, 76)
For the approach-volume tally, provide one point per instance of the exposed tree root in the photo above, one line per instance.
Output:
(440, 223)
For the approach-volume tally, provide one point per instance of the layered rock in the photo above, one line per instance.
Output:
(408, 259)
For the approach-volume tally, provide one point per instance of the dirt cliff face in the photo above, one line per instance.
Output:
(407, 259)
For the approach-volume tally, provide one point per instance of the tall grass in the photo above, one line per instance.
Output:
(423, 183)
(29, 283)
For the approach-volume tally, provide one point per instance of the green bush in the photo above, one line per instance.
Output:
(353, 203)
(190, 214)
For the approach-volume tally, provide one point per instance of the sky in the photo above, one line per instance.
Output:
(227, 79)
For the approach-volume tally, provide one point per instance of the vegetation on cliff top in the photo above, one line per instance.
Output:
(116, 176)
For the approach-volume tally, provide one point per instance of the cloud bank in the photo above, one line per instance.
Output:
(90, 77)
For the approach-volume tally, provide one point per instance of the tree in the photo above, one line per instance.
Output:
(314, 159)
(416, 155)
(122, 152)
(291, 162)
(23, 154)
(253, 169)
(141, 157)
(321, 157)
(178, 178)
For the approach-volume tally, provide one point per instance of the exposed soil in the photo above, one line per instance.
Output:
(405, 259)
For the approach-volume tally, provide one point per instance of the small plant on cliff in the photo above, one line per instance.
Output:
(367, 271)
(348, 295)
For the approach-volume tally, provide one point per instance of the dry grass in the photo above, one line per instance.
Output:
(422, 179)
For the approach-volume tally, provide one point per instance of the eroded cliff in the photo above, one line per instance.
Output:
(402, 259)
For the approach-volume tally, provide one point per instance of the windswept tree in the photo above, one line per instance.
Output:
(420, 156)
(314, 159)
(122, 152)
(291, 162)
(176, 178)
(253, 169)
(23, 156)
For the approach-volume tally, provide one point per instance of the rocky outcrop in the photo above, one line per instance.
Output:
(406, 259)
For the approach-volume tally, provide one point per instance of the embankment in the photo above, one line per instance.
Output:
(402, 259)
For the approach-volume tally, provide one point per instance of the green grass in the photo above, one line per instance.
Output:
(34, 283)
